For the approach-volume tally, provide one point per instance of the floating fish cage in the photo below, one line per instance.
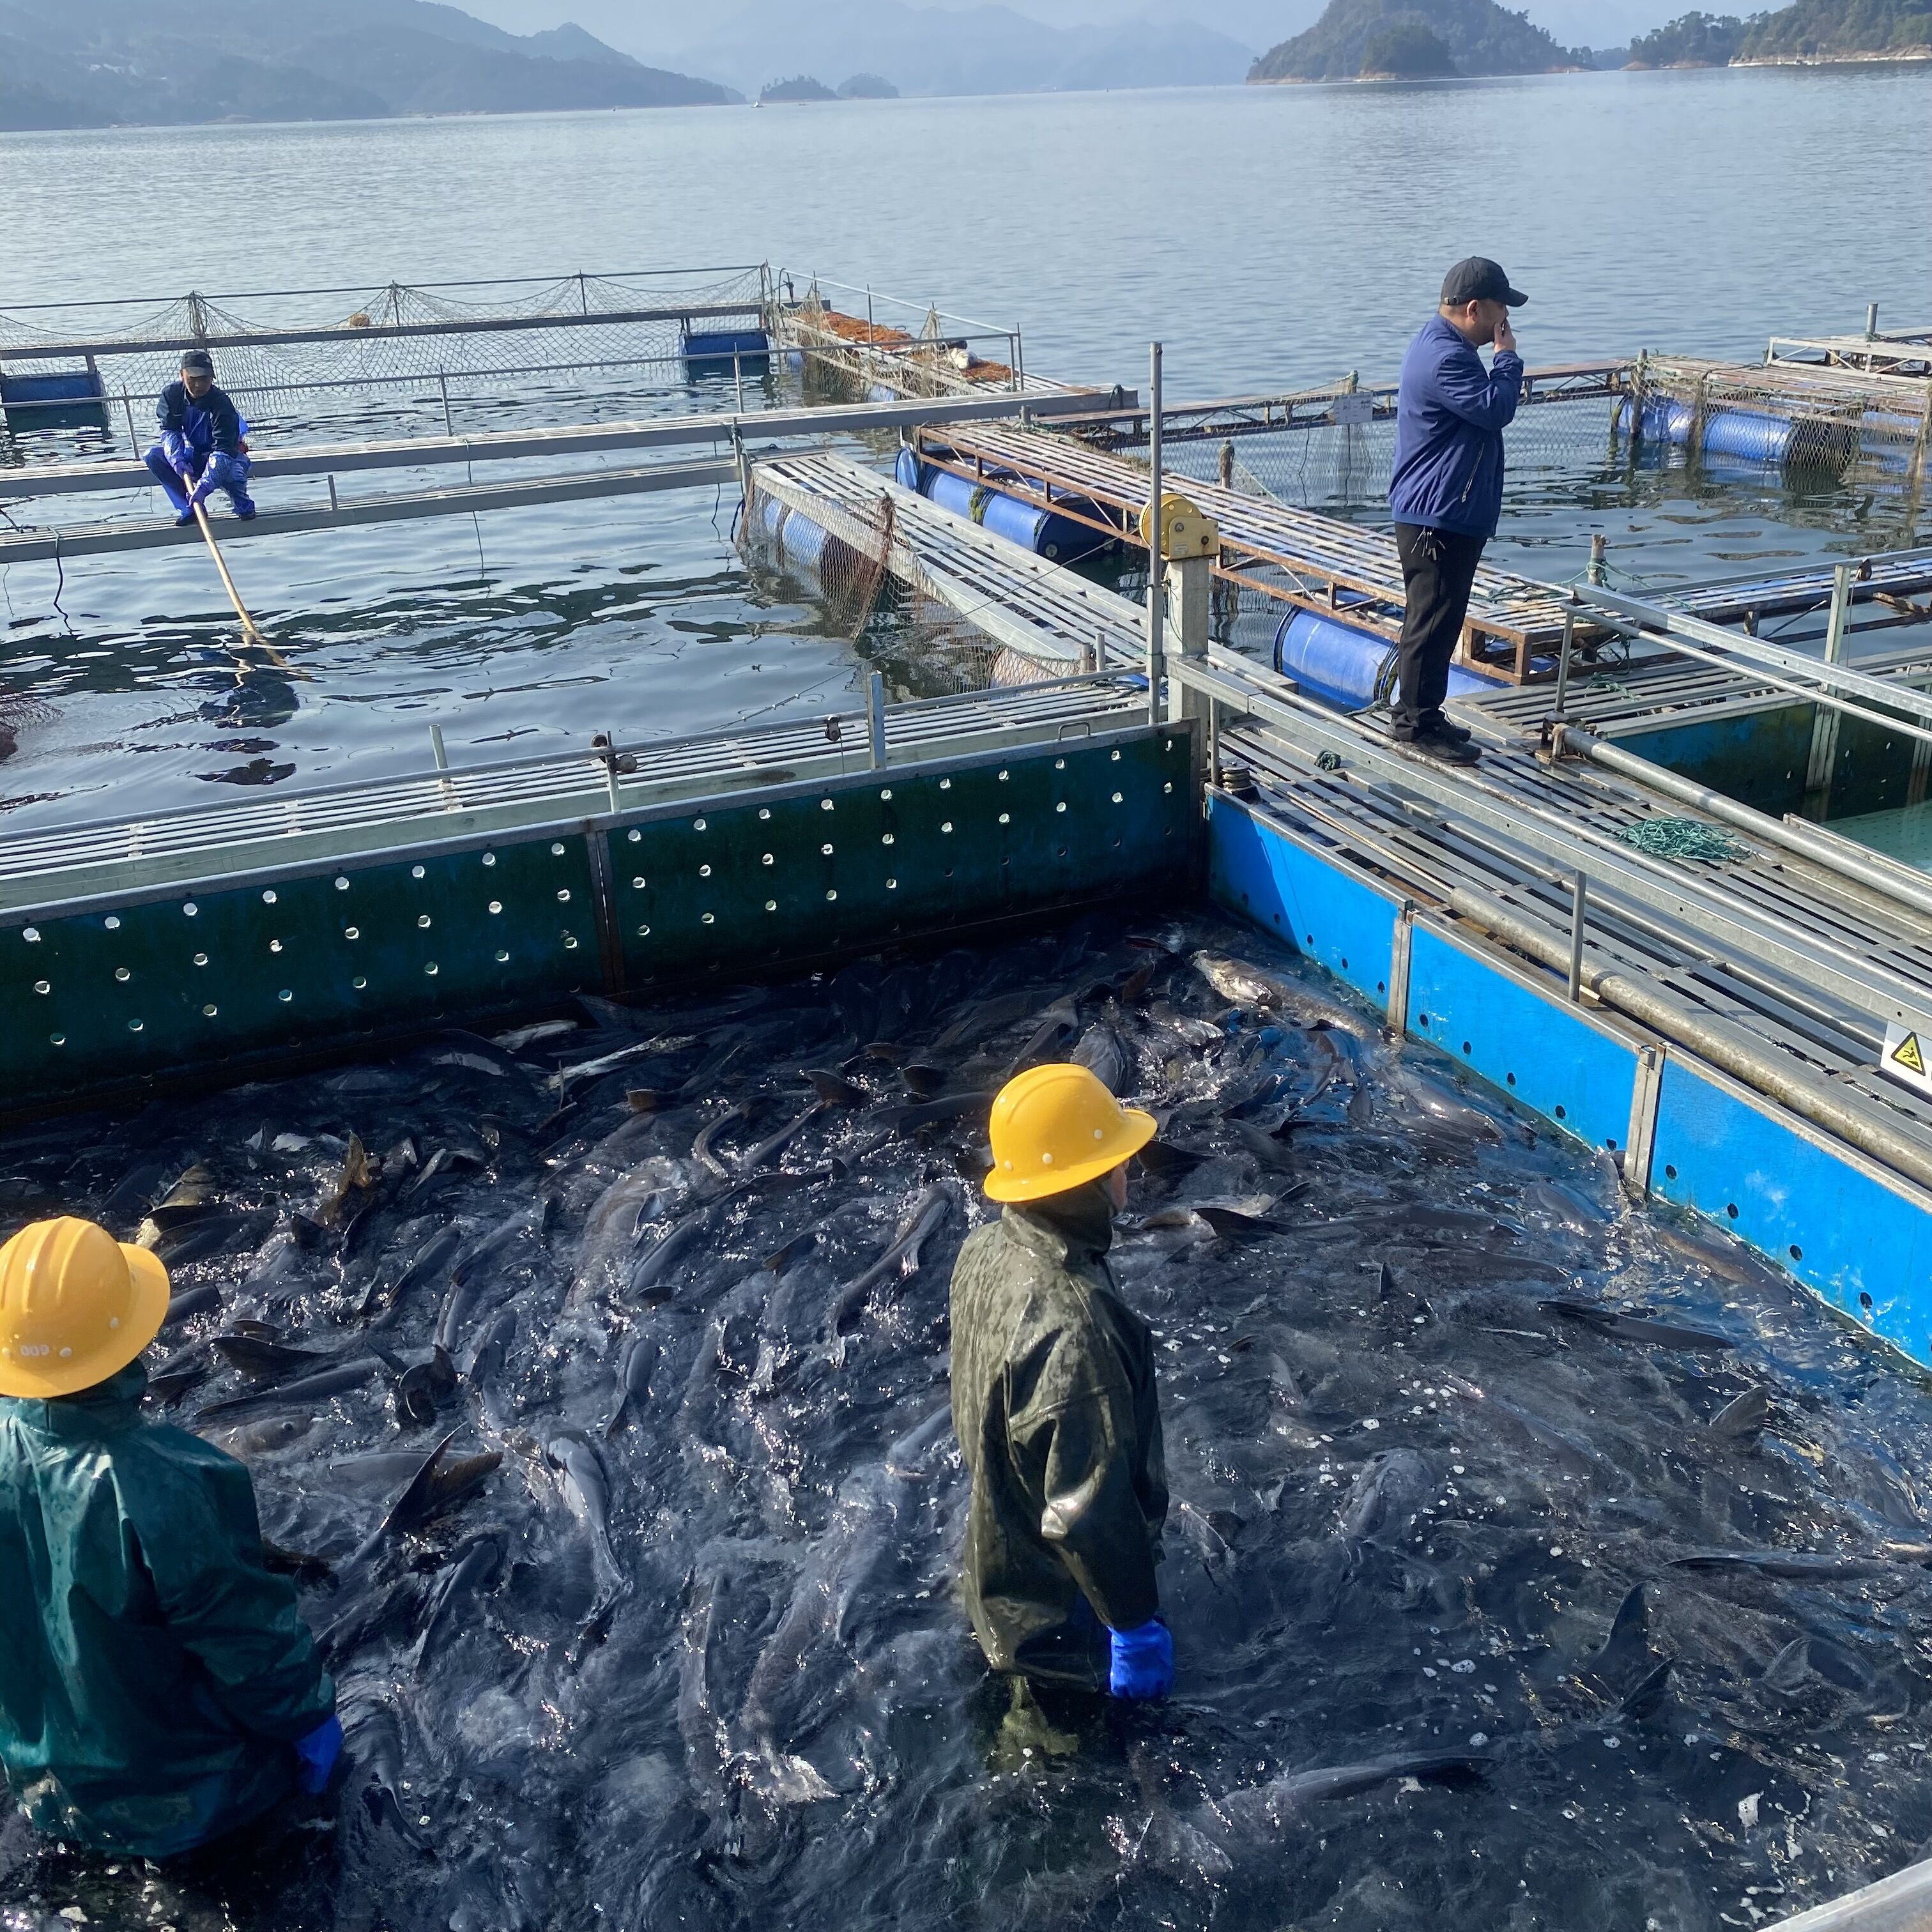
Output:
(199, 945)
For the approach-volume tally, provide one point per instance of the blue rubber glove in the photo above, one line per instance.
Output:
(318, 1752)
(1143, 1662)
(217, 476)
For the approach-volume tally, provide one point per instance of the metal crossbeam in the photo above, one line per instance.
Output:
(111, 539)
(576, 440)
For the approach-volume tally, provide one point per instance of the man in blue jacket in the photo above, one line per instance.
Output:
(203, 446)
(1446, 491)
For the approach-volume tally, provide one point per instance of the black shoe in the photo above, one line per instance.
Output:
(1448, 728)
(1451, 749)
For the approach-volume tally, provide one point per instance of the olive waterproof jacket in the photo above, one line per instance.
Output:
(153, 1674)
(1058, 1420)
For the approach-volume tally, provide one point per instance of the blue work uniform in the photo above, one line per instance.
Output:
(202, 440)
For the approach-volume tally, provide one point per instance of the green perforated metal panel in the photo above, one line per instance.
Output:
(221, 977)
(804, 874)
(99, 998)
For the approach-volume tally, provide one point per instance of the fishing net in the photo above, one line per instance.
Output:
(1666, 837)
(842, 563)
(411, 355)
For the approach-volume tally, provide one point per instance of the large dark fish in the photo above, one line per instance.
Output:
(310, 1389)
(356, 1174)
(586, 1490)
(646, 1280)
(928, 1212)
(474, 1571)
(191, 1301)
(440, 1481)
(262, 1360)
(634, 1365)
(1797, 1566)
(435, 1255)
(1743, 1419)
(1275, 1803)
(774, 1144)
(486, 1372)
(701, 1151)
(930, 1113)
(1637, 1328)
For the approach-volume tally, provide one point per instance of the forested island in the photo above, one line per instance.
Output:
(1423, 40)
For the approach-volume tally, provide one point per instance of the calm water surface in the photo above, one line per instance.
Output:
(1271, 237)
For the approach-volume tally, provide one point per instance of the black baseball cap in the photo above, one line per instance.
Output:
(198, 359)
(1479, 279)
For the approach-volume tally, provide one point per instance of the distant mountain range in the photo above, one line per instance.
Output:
(1477, 36)
(89, 63)
(985, 49)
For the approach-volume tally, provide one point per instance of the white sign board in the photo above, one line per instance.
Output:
(1356, 408)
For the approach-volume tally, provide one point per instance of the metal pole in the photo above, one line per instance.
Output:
(1841, 605)
(875, 719)
(738, 378)
(1563, 661)
(1156, 589)
(448, 421)
(436, 746)
(1871, 320)
(1599, 571)
(1578, 897)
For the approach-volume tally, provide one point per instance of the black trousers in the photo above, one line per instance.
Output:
(1438, 568)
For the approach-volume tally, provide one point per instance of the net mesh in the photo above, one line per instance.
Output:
(579, 333)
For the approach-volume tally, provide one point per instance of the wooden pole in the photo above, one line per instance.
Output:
(251, 631)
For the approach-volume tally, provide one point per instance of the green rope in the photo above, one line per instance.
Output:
(1683, 838)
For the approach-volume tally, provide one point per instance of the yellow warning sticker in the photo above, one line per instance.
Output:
(1905, 1056)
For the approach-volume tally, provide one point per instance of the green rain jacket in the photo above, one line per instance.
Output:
(1058, 1420)
(153, 1674)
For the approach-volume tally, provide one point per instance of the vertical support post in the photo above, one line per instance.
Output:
(738, 378)
(1640, 1142)
(1842, 574)
(875, 719)
(1189, 584)
(1579, 903)
(1019, 359)
(448, 421)
(442, 765)
(1400, 949)
(334, 508)
(128, 404)
(1871, 320)
(582, 295)
(1156, 589)
(1563, 661)
(1599, 570)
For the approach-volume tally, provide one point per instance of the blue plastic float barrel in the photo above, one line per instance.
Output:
(714, 351)
(1339, 663)
(1046, 532)
(61, 399)
(802, 542)
(1743, 436)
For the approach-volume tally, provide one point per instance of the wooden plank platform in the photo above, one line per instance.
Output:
(1318, 563)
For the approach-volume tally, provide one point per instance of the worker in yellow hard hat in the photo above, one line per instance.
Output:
(1055, 1402)
(158, 1688)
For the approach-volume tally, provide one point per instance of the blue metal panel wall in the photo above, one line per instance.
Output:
(1862, 1240)
(1264, 874)
(1541, 1051)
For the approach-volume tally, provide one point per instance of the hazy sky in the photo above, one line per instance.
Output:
(638, 25)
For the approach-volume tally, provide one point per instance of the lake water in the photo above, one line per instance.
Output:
(1271, 237)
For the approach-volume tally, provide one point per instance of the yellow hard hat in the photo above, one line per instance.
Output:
(75, 1306)
(1053, 1127)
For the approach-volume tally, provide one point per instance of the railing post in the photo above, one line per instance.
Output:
(1579, 899)
(448, 421)
(875, 719)
(1842, 574)
(128, 404)
(1563, 661)
(738, 378)
(1156, 587)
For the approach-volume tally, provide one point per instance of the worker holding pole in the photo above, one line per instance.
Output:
(204, 442)
(1446, 492)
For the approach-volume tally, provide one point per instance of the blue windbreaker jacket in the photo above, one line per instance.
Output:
(1450, 415)
(213, 426)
